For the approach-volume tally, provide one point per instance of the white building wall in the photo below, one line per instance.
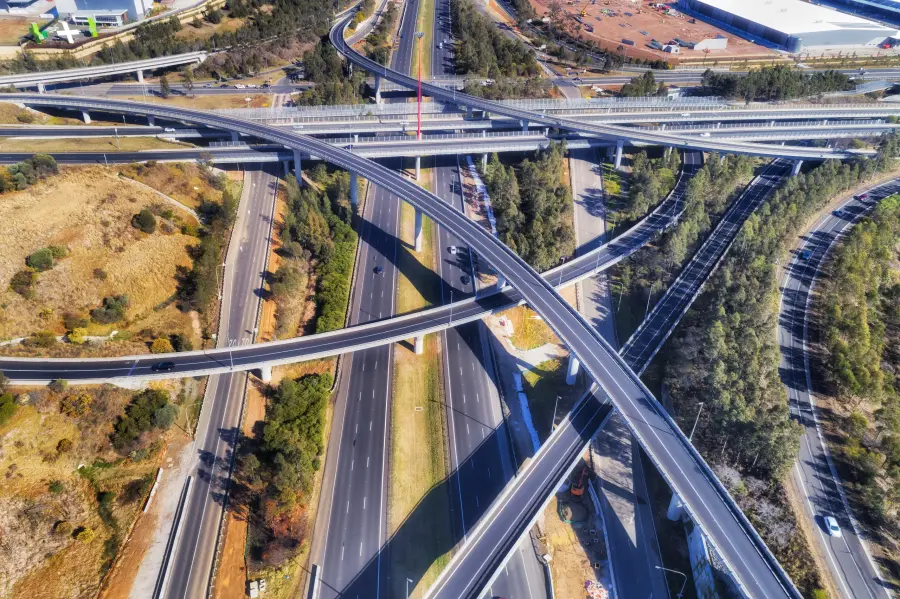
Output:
(136, 9)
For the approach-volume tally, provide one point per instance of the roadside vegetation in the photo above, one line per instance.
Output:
(378, 43)
(317, 242)
(510, 87)
(482, 49)
(335, 84)
(78, 465)
(725, 354)
(533, 206)
(858, 310)
(644, 85)
(780, 82)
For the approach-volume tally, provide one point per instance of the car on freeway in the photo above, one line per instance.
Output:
(862, 196)
(805, 255)
(163, 366)
(832, 527)
(685, 114)
(169, 130)
(705, 134)
(207, 85)
(453, 249)
(378, 270)
(466, 279)
(840, 213)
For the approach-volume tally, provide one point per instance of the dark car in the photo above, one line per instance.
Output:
(805, 255)
(163, 366)
(378, 270)
(466, 279)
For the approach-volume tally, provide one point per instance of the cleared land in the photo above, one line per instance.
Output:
(210, 102)
(90, 144)
(89, 212)
(529, 329)
(184, 182)
(13, 29)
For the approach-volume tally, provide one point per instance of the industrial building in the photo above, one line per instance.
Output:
(791, 25)
(888, 9)
(107, 13)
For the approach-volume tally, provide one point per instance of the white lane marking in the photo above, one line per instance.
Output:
(351, 465)
(370, 425)
(367, 461)
(467, 428)
(348, 506)
(342, 553)
(364, 502)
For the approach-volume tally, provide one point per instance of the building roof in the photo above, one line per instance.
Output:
(84, 14)
(795, 17)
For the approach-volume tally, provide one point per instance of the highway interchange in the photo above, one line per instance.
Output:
(753, 567)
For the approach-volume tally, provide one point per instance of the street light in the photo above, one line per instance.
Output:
(681, 592)
(696, 420)
(408, 580)
(419, 36)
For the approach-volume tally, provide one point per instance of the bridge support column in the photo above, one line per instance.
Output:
(662, 127)
(354, 191)
(771, 123)
(298, 168)
(418, 237)
(718, 125)
(41, 88)
(675, 508)
(468, 112)
(86, 117)
(286, 166)
(619, 145)
(140, 76)
(484, 160)
(378, 99)
(668, 151)
(524, 126)
(265, 374)
(418, 167)
(500, 281)
(420, 345)
(572, 370)
(356, 138)
(235, 136)
(151, 120)
(796, 170)
(824, 121)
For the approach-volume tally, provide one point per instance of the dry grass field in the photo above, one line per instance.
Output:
(89, 211)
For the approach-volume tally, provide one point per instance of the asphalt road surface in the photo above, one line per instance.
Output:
(847, 557)
(218, 427)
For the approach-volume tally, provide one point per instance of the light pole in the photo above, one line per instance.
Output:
(681, 592)
(408, 580)
(219, 285)
(696, 420)
(419, 36)
(553, 422)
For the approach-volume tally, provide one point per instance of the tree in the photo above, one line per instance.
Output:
(144, 220)
(164, 86)
(213, 16)
(76, 404)
(77, 336)
(84, 535)
(161, 345)
(56, 487)
(4, 382)
(7, 408)
(40, 260)
(63, 528)
(187, 79)
(112, 310)
(23, 283)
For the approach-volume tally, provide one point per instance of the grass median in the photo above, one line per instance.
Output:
(418, 501)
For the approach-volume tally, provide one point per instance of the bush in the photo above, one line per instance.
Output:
(77, 404)
(40, 260)
(23, 283)
(161, 345)
(7, 408)
(113, 309)
(43, 339)
(63, 528)
(77, 336)
(56, 487)
(144, 220)
(100, 274)
(64, 446)
(84, 535)
(181, 342)
(58, 385)
(58, 251)
(73, 321)
(148, 410)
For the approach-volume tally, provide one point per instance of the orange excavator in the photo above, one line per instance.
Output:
(577, 488)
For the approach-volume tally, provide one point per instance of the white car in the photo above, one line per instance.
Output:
(704, 134)
(453, 249)
(240, 86)
(169, 130)
(832, 527)
(685, 114)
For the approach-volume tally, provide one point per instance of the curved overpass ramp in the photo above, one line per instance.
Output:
(753, 566)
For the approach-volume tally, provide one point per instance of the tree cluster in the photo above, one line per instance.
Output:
(642, 86)
(334, 82)
(650, 182)
(860, 329)
(150, 409)
(378, 43)
(533, 206)
(510, 87)
(774, 83)
(482, 49)
(23, 175)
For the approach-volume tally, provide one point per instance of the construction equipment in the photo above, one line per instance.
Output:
(577, 489)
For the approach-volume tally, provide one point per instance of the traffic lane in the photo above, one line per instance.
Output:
(522, 577)
(334, 343)
(356, 523)
(847, 556)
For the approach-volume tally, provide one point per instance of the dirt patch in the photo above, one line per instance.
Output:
(14, 29)
(609, 31)
(89, 211)
(529, 329)
(186, 182)
(89, 144)
(210, 102)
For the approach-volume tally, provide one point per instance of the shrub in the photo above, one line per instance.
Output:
(58, 251)
(63, 528)
(64, 446)
(77, 335)
(148, 410)
(181, 342)
(113, 309)
(7, 408)
(23, 283)
(144, 220)
(161, 345)
(73, 321)
(56, 487)
(84, 535)
(41, 339)
(100, 274)
(4, 382)
(40, 260)
(58, 385)
(77, 404)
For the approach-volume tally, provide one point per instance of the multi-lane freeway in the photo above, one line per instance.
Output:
(847, 556)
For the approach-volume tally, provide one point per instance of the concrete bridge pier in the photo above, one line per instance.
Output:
(286, 166)
(524, 126)
(420, 345)
(418, 235)
(265, 374)
(796, 170)
(354, 197)
(619, 145)
(500, 281)
(235, 136)
(662, 127)
(468, 112)
(484, 161)
(418, 167)
(676, 507)
(298, 168)
(572, 370)
(356, 138)
(86, 117)
(378, 99)
(140, 76)
(151, 120)
(41, 88)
